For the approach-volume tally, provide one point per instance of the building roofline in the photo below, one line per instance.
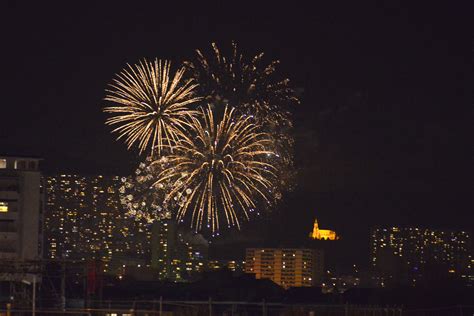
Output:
(21, 156)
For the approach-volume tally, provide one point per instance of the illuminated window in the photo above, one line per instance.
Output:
(3, 163)
(3, 207)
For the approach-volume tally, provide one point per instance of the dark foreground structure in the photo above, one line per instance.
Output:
(210, 307)
(224, 294)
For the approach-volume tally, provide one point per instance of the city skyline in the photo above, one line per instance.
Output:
(85, 219)
(233, 158)
(380, 133)
(410, 255)
(89, 237)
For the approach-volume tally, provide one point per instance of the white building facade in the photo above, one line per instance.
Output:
(21, 208)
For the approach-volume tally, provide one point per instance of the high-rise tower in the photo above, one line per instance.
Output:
(21, 208)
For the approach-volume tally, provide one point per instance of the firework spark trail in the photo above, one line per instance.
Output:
(152, 110)
(221, 170)
(255, 89)
(251, 86)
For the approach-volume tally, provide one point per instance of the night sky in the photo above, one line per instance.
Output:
(383, 134)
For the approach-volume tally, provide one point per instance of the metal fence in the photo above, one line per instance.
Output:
(211, 308)
(230, 308)
(460, 310)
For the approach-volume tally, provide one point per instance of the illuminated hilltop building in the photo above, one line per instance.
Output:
(322, 234)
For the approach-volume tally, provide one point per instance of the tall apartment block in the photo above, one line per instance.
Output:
(178, 256)
(411, 254)
(21, 208)
(84, 220)
(287, 267)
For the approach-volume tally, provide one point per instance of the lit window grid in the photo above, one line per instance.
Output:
(85, 219)
(418, 246)
(286, 267)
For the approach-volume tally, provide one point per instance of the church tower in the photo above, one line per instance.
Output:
(315, 233)
(322, 234)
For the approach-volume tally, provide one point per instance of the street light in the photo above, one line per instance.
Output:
(33, 303)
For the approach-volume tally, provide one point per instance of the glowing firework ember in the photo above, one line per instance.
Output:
(251, 86)
(151, 108)
(221, 171)
(141, 198)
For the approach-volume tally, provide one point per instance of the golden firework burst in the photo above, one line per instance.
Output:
(254, 87)
(220, 170)
(251, 85)
(151, 109)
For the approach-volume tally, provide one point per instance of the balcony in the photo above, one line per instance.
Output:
(8, 236)
(7, 226)
(13, 187)
(8, 194)
(7, 254)
(12, 215)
